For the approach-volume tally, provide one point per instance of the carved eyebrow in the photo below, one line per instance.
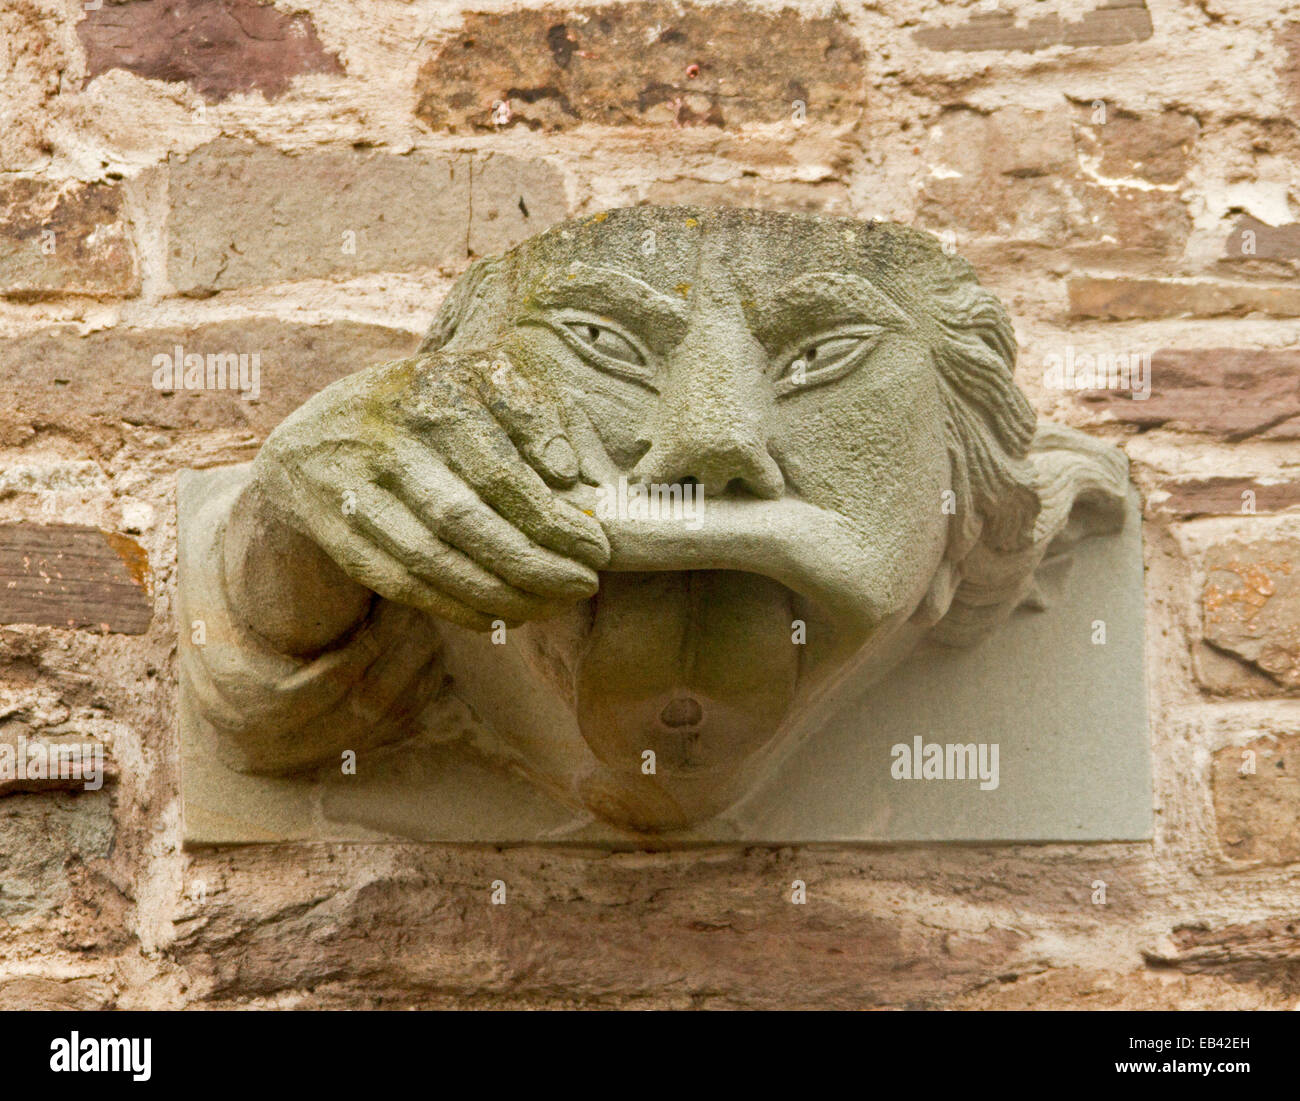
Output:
(825, 299)
(661, 319)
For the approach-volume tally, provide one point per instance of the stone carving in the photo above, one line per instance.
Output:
(839, 466)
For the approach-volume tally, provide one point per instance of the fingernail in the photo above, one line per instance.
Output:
(559, 458)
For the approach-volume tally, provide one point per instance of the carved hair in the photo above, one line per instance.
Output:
(1023, 491)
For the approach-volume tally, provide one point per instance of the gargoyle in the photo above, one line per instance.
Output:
(836, 400)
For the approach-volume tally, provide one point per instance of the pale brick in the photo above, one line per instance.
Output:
(42, 838)
(510, 200)
(1257, 800)
(245, 214)
(248, 214)
(797, 196)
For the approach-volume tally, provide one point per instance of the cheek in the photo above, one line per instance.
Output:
(617, 409)
(873, 449)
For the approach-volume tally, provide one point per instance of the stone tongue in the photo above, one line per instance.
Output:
(698, 666)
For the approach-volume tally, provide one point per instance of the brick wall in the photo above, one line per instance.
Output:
(305, 180)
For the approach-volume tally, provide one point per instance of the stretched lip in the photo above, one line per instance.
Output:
(808, 549)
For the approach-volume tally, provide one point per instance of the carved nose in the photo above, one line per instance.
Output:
(711, 426)
(720, 462)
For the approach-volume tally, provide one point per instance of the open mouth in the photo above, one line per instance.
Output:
(697, 667)
(701, 632)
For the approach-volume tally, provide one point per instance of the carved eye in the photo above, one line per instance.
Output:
(826, 358)
(607, 342)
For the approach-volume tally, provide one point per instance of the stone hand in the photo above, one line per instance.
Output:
(430, 481)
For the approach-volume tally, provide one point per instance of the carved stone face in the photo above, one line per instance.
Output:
(836, 397)
(781, 366)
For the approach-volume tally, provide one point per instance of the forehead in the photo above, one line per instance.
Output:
(755, 252)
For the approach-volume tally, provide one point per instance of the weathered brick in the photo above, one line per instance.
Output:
(1189, 498)
(72, 753)
(1013, 142)
(1150, 148)
(64, 237)
(218, 47)
(510, 200)
(1111, 23)
(1250, 605)
(999, 174)
(385, 933)
(28, 993)
(1122, 298)
(820, 197)
(1015, 173)
(648, 62)
(1234, 393)
(1257, 799)
(43, 839)
(1127, 219)
(1252, 239)
(58, 376)
(1288, 39)
(246, 214)
(1112, 988)
(35, 53)
(69, 575)
(1265, 952)
(51, 477)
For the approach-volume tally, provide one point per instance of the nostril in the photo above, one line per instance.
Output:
(638, 450)
(682, 711)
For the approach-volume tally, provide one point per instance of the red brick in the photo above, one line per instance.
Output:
(1265, 952)
(67, 575)
(1234, 393)
(1226, 496)
(218, 47)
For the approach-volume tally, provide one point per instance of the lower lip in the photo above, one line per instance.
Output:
(809, 550)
